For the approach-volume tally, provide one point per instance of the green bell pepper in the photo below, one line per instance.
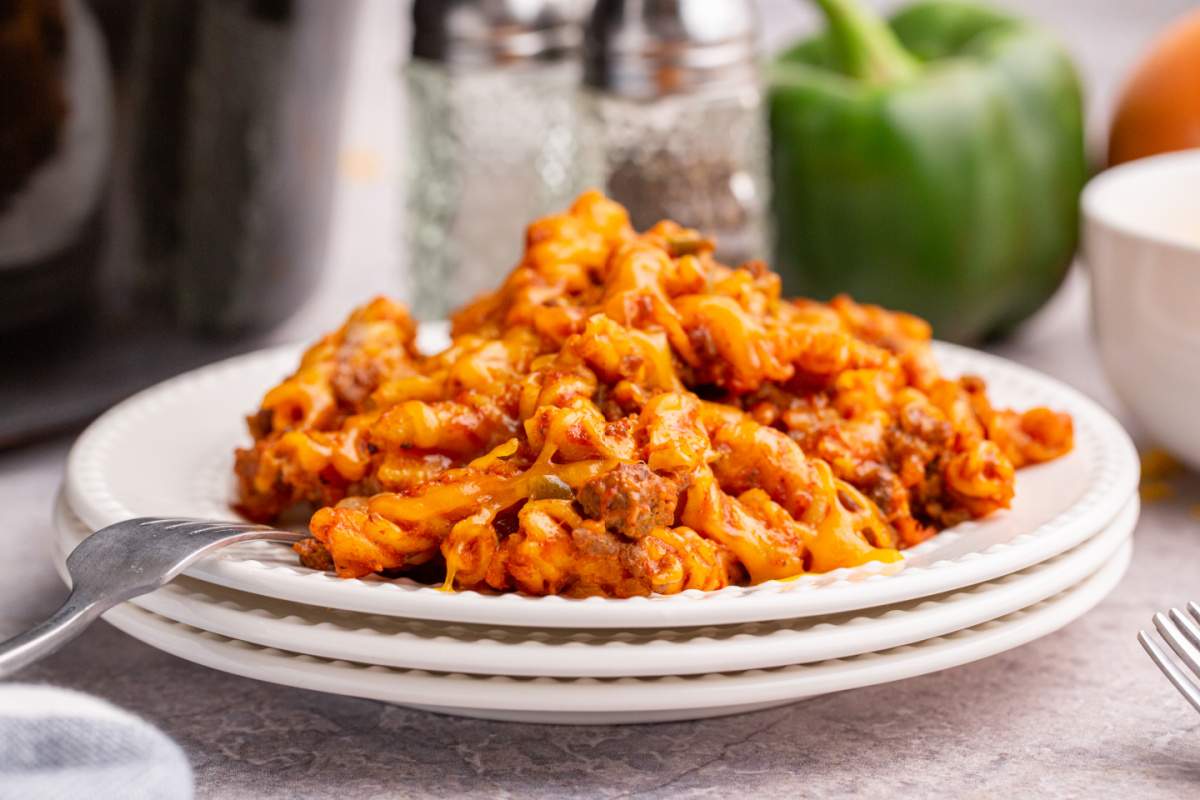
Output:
(931, 164)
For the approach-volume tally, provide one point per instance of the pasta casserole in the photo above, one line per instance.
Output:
(627, 416)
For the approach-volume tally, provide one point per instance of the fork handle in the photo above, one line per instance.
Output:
(75, 614)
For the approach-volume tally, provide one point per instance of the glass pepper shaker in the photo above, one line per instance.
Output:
(494, 118)
(676, 121)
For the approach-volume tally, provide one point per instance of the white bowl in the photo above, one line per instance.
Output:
(1142, 245)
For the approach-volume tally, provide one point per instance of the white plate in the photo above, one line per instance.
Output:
(622, 700)
(448, 647)
(167, 451)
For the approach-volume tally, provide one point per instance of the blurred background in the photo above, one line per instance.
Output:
(184, 180)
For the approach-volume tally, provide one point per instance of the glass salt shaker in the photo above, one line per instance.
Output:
(494, 118)
(676, 119)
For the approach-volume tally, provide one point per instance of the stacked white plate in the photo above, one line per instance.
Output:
(969, 592)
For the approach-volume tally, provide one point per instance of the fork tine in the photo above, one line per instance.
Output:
(1174, 674)
(1179, 644)
(123, 561)
(1194, 609)
(1185, 624)
(194, 526)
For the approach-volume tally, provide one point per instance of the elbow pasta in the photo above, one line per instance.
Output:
(625, 416)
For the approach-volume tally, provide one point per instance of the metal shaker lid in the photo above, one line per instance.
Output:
(650, 48)
(493, 32)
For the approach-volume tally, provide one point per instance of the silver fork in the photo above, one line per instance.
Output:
(121, 562)
(1183, 635)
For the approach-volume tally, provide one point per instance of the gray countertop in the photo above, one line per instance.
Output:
(1079, 713)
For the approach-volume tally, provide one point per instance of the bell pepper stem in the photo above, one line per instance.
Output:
(868, 48)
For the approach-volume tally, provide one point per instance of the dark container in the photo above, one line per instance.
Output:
(166, 180)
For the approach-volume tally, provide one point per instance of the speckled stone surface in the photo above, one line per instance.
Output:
(1080, 713)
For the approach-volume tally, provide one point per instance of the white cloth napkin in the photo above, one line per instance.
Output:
(56, 743)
